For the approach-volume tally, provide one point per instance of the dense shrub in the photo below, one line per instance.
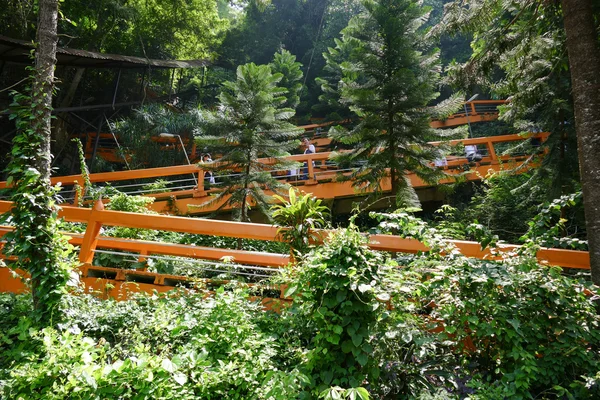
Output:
(440, 327)
(534, 331)
(340, 284)
(184, 347)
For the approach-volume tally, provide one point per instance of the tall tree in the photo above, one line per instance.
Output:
(548, 53)
(398, 73)
(249, 123)
(534, 76)
(331, 79)
(285, 63)
(584, 60)
(35, 241)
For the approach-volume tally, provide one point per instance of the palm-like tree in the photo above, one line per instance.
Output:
(249, 123)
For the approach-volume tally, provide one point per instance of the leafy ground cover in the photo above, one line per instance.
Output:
(362, 325)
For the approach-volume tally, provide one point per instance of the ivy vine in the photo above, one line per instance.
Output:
(35, 242)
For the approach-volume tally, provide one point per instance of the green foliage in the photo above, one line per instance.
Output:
(35, 241)
(395, 75)
(157, 186)
(299, 217)
(249, 123)
(127, 203)
(512, 329)
(85, 174)
(284, 63)
(532, 328)
(525, 44)
(405, 224)
(155, 28)
(504, 203)
(138, 134)
(333, 77)
(304, 28)
(517, 330)
(178, 347)
(339, 285)
(338, 393)
(549, 227)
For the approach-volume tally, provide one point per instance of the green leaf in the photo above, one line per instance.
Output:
(347, 346)
(167, 365)
(290, 291)
(180, 378)
(362, 359)
(356, 339)
(364, 287)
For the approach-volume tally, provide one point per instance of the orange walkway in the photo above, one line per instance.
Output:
(477, 111)
(187, 193)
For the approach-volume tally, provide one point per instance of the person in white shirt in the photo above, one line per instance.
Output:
(208, 175)
(472, 153)
(309, 149)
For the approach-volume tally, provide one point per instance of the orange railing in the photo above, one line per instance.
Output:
(477, 111)
(108, 148)
(92, 241)
(97, 217)
(192, 191)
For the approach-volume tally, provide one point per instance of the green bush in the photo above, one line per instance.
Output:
(339, 285)
(299, 217)
(184, 347)
(534, 331)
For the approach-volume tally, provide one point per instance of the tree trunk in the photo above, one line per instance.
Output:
(584, 62)
(43, 85)
(41, 97)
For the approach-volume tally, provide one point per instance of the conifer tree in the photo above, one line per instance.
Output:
(399, 74)
(331, 79)
(248, 124)
(285, 63)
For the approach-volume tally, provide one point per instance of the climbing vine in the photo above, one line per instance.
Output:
(35, 242)
(341, 294)
(85, 174)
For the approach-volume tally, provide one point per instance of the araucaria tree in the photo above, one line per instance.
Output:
(398, 73)
(285, 63)
(248, 124)
(332, 78)
(549, 54)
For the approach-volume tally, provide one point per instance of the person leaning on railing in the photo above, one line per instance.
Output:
(309, 149)
(208, 175)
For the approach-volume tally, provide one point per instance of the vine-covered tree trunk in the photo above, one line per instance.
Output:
(35, 242)
(584, 61)
(41, 99)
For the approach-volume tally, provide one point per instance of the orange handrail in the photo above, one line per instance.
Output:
(460, 118)
(320, 179)
(302, 158)
(98, 217)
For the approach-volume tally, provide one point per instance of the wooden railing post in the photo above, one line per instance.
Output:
(473, 110)
(311, 171)
(200, 192)
(90, 239)
(492, 151)
(78, 188)
(142, 258)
